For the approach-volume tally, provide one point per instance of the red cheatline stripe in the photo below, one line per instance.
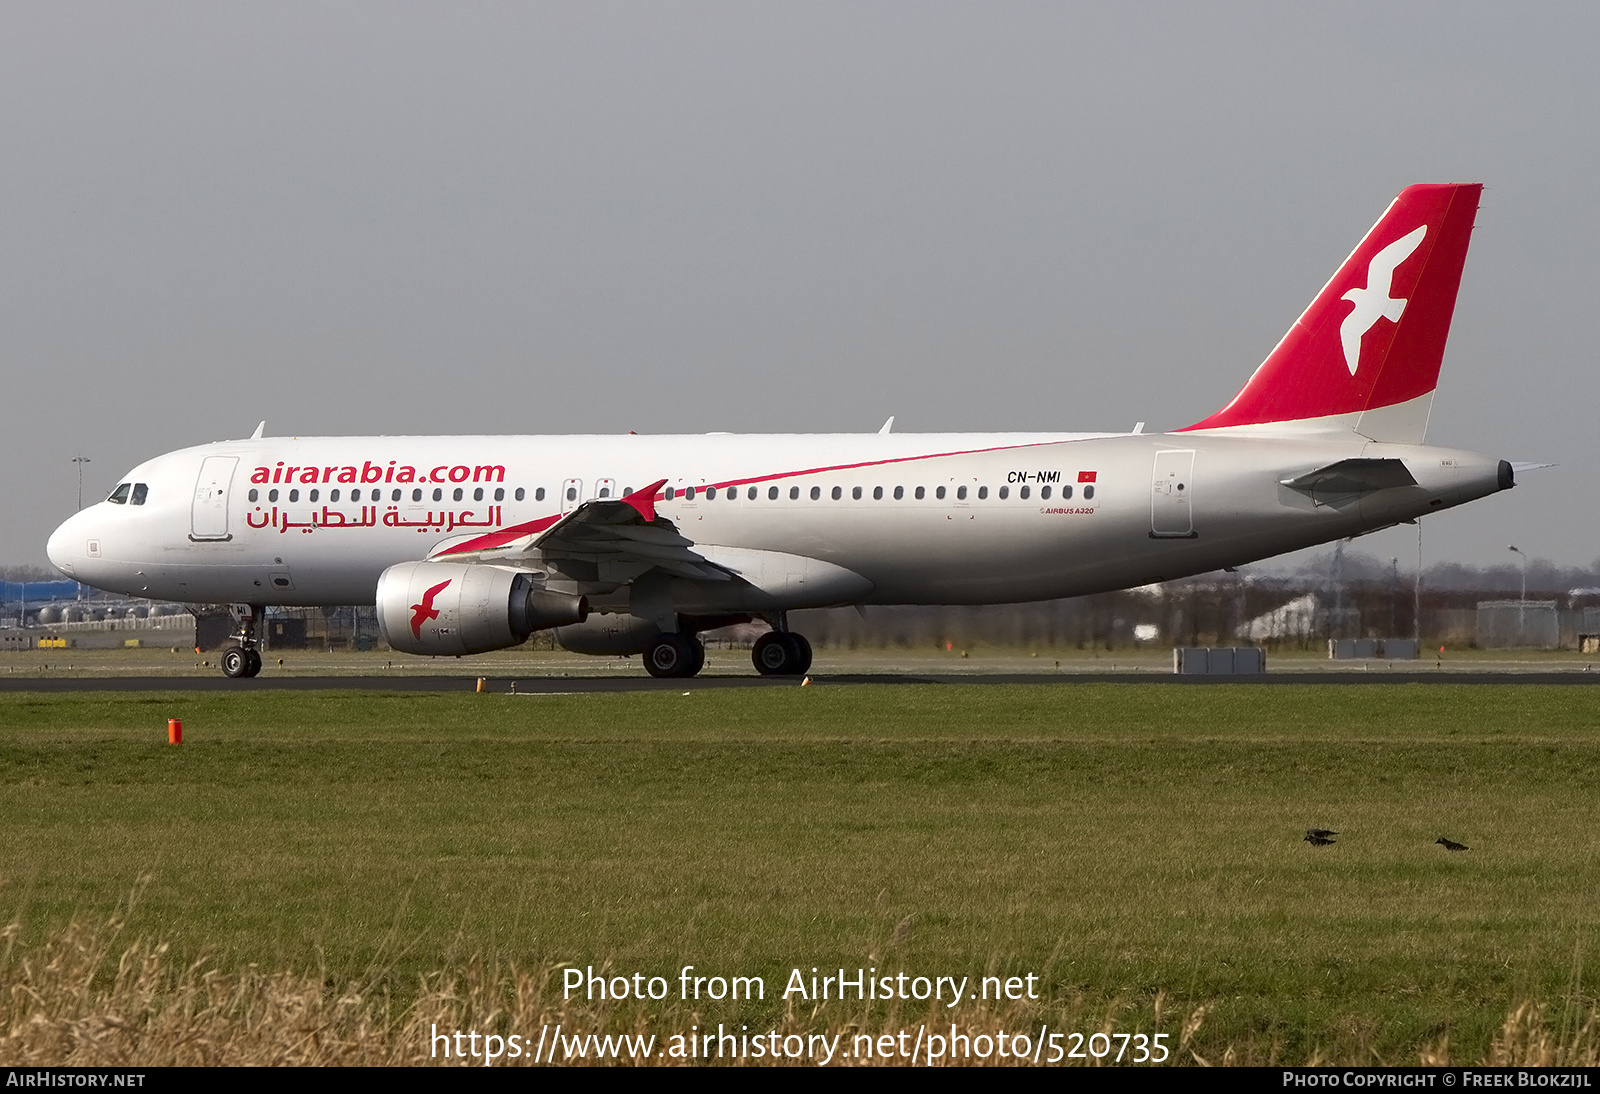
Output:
(492, 540)
(876, 463)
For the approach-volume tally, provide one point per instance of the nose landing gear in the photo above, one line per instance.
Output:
(243, 660)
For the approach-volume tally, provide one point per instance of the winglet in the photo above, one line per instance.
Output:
(645, 500)
(260, 429)
(888, 426)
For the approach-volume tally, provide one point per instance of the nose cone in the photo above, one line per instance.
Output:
(65, 547)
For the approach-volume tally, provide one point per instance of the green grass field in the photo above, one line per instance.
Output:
(1124, 842)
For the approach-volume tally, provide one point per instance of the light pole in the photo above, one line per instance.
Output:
(1522, 605)
(80, 461)
(1416, 594)
(1394, 594)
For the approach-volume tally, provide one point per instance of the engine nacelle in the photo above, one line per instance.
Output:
(446, 609)
(617, 635)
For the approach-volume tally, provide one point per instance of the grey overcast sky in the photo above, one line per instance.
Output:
(589, 217)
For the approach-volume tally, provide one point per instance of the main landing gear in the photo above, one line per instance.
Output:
(782, 653)
(243, 660)
(673, 655)
(677, 655)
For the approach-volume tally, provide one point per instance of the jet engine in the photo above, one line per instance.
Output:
(446, 609)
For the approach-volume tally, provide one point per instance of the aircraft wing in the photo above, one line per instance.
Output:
(607, 541)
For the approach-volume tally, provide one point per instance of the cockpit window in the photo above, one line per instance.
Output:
(141, 491)
(119, 496)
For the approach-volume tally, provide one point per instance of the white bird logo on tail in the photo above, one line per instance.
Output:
(1374, 302)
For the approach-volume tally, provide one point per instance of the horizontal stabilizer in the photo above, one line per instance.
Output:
(1356, 476)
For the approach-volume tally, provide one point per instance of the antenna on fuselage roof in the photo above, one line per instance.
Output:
(1138, 428)
(888, 426)
(260, 429)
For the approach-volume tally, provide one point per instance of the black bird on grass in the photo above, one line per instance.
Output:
(1451, 845)
(1320, 837)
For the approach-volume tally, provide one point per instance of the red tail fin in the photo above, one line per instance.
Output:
(1366, 353)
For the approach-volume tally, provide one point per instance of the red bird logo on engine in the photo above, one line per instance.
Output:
(421, 613)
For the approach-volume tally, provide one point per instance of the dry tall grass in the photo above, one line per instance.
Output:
(87, 998)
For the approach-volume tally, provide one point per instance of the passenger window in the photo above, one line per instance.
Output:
(438, 494)
(605, 492)
(1044, 493)
(140, 492)
(899, 493)
(1005, 492)
(921, 493)
(688, 493)
(312, 496)
(1024, 492)
(538, 495)
(1066, 492)
(255, 495)
(272, 495)
(294, 495)
(838, 493)
(1088, 492)
(856, 493)
(877, 493)
(750, 494)
(572, 493)
(733, 493)
(500, 493)
(794, 493)
(816, 492)
(961, 493)
(772, 493)
(333, 495)
(521, 493)
(672, 492)
(939, 493)
(119, 496)
(983, 492)
(416, 495)
(458, 495)
(396, 495)
(711, 493)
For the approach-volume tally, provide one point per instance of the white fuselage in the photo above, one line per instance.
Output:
(921, 518)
